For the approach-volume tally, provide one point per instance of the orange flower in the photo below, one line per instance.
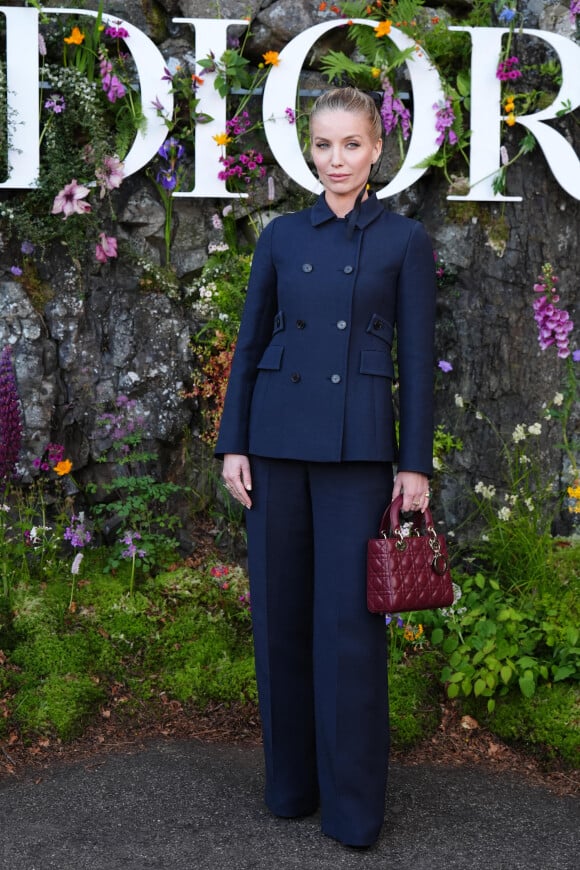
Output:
(63, 467)
(197, 80)
(271, 57)
(511, 119)
(435, 20)
(76, 37)
(383, 28)
(375, 72)
(222, 139)
(335, 9)
(322, 7)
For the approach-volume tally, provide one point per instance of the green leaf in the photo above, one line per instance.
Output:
(452, 690)
(527, 686)
(437, 636)
(450, 644)
(528, 143)
(456, 677)
(466, 686)
(479, 687)
(463, 82)
(491, 705)
(506, 674)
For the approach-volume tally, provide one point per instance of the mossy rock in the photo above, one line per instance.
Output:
(197, 660)
(547, 724)
(45, 654)
(61, 704)
(414, 700)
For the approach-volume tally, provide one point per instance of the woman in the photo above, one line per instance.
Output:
(308, 441)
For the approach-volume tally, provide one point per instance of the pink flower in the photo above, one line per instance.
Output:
(112, 86)
(110, 174)
(105, 248)
(69, 200)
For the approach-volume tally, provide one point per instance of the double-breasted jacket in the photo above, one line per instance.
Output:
(312, 374)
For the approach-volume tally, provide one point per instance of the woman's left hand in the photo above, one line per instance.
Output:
(414, 488)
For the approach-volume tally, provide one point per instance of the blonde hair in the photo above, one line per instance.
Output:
(350, 100)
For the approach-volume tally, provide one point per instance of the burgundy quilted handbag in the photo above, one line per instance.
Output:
(407, 571)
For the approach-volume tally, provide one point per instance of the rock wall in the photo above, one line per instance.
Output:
(101, 335)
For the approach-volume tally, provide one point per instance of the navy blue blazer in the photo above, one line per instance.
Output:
(312, 372)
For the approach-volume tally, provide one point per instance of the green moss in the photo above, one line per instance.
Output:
(548, 724)
(202, 660)
(60, 704)
(413, 700)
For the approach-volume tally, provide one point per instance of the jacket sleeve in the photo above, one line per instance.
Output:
(254, 335)
(416, 353)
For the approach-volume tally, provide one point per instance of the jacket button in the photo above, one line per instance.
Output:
(306, 267)
(348, 269)
(341, 324)
(336, 379)
(378, 324)
(295, 377)
(300, 324)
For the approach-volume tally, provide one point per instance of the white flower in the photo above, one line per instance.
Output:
(525, 460)
(437, 464)
(5, 508)
(75, 567)
(504, 513)
(535, 429)
(519, 433)
(486, 492)
(478, 415)
(216, 247)
(529, 503)
(459, 400)
(223, 316)
(558, 399)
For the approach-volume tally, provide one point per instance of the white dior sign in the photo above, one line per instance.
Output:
(279, 92)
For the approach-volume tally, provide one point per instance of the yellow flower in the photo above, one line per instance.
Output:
(375, 72)
(511, 119)
(222, 139)
(76, 37)
(271, 57)
(63, 467)
(383, 28)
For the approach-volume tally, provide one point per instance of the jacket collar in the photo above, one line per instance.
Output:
(370, 209)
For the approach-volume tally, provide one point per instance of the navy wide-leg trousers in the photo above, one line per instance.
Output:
(320, 655)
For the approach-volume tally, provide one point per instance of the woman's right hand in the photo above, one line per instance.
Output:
(237, 477)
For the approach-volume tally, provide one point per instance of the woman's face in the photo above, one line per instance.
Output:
(343, 150)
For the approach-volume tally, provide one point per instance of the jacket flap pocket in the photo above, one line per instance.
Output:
(279, 322)
(381, 328)
(376, 362)
(272, 357)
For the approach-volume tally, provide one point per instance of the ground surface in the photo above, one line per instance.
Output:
(458, 741)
